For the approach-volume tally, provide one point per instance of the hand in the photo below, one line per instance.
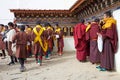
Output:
(99, 34)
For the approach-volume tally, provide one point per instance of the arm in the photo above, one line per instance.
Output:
(14, 38)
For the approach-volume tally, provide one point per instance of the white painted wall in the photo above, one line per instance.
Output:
(116, 15)
(68, 44)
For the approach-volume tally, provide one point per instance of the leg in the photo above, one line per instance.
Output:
(48, 54)
(21, 61)
(12, 60)
(40, 60)
(15, 59)
(61, 50)
(36, 58)
(3, 51)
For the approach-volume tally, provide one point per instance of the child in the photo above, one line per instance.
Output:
(21, 39)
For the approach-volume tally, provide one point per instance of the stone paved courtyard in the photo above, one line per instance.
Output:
(64, 67)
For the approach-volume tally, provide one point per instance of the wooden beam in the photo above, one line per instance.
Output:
(78, 3)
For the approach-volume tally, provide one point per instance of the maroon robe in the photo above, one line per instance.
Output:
(110, 38)
(21, 39)
(92, 36)
(50, 39)
(2, 44)
(36, 46)
(37, 49)
(80, 41)
(29, 47)
(60, 42)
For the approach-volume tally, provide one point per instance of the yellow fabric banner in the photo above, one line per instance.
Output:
(38, 38)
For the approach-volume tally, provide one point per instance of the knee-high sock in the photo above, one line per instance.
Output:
(3, 51)
(40, 59)
(12, 59)
(21, 61)
(15, 59)
(36, 57)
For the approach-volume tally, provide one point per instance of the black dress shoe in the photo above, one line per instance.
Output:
(11, 63)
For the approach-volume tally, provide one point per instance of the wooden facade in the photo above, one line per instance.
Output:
(87, 9)
(95, 8)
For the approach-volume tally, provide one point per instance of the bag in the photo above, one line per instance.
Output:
(14, 48)
(100, 43)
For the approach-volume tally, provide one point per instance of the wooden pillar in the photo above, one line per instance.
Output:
(91, 7)
(103, 5)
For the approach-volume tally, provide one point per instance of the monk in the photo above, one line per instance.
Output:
(2, 44)
(91, 34)
(110, 41)
(29, 44)
(88, 41)
(60, 41)
(49, 40)
(80, 41)
(21, 39)
(40, 45)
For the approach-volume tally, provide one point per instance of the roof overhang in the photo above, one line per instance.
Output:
(77, 4)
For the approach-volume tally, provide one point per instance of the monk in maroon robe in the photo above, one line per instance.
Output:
(38, 49)
(2, 44)
(49, 40)
(110, 39)
(29, 44)
(60, 41)
(91, 34)
(21, 39)
(80, 41)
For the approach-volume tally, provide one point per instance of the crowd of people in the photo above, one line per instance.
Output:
(97, 41)
(23, 41)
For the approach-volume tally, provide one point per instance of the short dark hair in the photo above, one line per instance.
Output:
(108, 13)
(82, 20)
(11, 24)
(27, 26)
(96, 20)
(15, 25)
(22, 27)
(89, 22)
(57, 24)
(2, 25)
(47, 24)
(6, 26)
(38, 22)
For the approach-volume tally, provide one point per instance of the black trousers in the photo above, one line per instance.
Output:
(3, 51)
(13, 59)
(21, 61)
